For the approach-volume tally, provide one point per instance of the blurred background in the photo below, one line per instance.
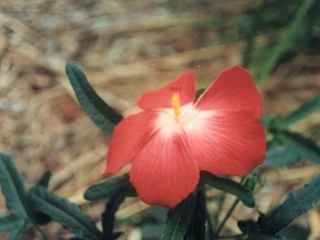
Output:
(127, 47)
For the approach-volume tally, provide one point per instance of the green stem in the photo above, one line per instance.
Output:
(227, 216)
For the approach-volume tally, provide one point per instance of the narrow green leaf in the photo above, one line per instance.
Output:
(229, 186)
(9, 223)
(150, 231)
(296, 232)
(300, 113)
(108, 216)
(287, 40)
(179, 220)
(248, 226)
(44, 179)
(283, 156)
(304, 147)
(38, 217)
(18, 232)
(297, 203)
(107, 188)
(64, 212)
(12, 187)
(104, 116)
(197, 229)
(261, 236)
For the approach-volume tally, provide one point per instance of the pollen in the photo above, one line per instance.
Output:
(176, 105)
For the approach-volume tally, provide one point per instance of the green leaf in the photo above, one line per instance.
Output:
(252, 229)
(197, 229)
(286, 41)
(9, 223)
(283, 156)
(64, 212)
(266, 237)
(287, 148)
(297, 203)
(108, 216)
(18, 233)
(295, 232)
(304, 147)
(104, 116)
(107, 188)
(229, 186)
(44, 180)
(12, 187)
(38, 217)
(300, 113)
(179, 220)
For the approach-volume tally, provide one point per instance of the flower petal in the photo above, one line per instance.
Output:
(233, 90)
(228, 143)
(128, 138)
(184, 85)
(163, 172)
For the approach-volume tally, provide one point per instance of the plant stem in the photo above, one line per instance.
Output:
(225, 219)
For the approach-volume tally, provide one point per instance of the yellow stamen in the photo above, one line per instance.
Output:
(175, 103)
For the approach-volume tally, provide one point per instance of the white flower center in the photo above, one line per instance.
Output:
(190, 119)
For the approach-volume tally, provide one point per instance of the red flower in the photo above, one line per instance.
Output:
(175, 137)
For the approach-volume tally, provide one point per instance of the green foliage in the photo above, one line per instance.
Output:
(179, 220)
(229, 186)
(197, 228)
(9, 223)
(44, 180)
(288, 147)
(281, 156)
(109, 187)
(283, 34)
(22, 216)
(285, 42)
(104, 116)
(299, 114)
(274, 224)
(12, 188)
(297, 203)
(303, 147)
(65, 212)
(37, 216)
(295, 232)
(18, 232)
(108, 216)
(266, 237)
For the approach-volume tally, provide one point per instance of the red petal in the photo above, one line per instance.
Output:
(128, 138)
(233, 90)
(184, 85)
(228, 143)
(163, 172)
